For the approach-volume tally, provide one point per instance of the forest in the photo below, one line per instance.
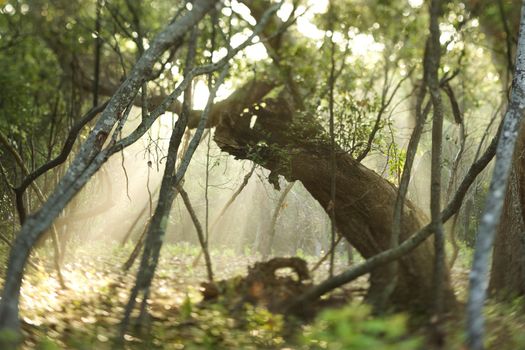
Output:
(262, 174)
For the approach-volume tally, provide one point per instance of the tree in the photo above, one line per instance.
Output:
(274, 118)
(500, 24)
(507, 277)
(495, 199)
(88, 161)
(363, 222)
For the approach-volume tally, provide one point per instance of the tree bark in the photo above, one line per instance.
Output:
(431, 64)
(414, 241)
(507, 277)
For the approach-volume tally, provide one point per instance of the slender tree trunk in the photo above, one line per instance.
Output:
(507, 277)
(431, 66)
(277, 211)
(98, 46)
(170, 181)
(333, 161)
(157, 226)
(138, 247)
(200, 232)
(168, 191)
(225, 208)
(389, 281)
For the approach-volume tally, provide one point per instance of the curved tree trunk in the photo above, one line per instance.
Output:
(296, 146)
(508, 265)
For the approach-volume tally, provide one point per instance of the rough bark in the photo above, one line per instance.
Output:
(295, 146)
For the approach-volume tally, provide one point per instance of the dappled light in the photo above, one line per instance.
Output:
(262, 174)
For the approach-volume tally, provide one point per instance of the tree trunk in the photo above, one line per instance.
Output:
(490, 219)
(296, 146)
(508, 265)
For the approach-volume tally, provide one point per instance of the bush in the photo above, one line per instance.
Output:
(353, 327)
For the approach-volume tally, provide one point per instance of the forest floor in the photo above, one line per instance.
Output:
(87, 314)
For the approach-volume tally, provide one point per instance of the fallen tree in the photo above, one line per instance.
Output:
(296, 146)
(286, 142)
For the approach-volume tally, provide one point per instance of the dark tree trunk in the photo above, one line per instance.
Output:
(296, 146)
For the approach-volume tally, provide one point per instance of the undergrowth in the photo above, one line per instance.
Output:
(86, 314)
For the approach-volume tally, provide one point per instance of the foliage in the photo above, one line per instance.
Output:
(505, 319)
(46, 55)
(87, 314)
(396, 163)
(353, 327)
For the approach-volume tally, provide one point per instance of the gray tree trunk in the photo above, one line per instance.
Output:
(495, 200)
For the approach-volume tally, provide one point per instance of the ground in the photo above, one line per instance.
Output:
(87, 314)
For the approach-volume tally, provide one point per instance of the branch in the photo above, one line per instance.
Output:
(226, 206)
(41, 198)
(456, 111)
(198, 227)
(384, 105)
(61, 158)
